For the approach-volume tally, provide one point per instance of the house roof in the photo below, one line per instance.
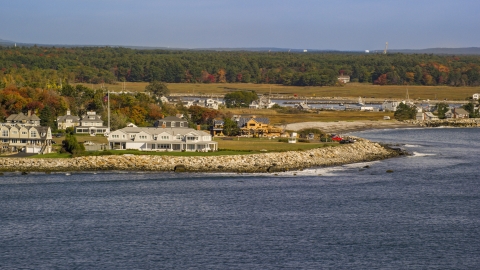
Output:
(65, 117)
(156, 131)
(461, 111)
(242, 121)
(172, 118)
(21, 117)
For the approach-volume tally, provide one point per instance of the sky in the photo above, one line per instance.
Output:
(296, 24)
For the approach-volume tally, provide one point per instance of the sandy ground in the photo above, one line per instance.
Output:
(345, 127)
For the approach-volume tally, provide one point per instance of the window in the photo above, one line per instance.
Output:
(144, 137)
(5, 133)
(191, 138)
(172, 124)
(164, 137)
(33, 133)
(164, 146)
(181, 124)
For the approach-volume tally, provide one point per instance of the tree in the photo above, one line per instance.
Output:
(71, 145)
(442, 108)
(158, 89)
(230, 127)
(405, 112)
(470, 108)
(240, 99)
(47, 118)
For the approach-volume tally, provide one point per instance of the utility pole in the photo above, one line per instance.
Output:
(386, 47)
(108, 108)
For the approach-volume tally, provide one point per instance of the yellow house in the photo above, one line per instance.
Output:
(257, 127)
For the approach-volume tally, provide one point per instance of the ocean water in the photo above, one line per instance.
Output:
(424, 214)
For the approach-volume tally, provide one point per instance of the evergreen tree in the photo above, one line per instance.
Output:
(405, 112)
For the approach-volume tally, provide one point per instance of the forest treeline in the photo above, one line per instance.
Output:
(50, 67)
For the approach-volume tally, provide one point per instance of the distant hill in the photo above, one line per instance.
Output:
(446, 51)
(471, 51)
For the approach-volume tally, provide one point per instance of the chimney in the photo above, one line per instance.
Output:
(164, 125)
(29, 113)
(198, 127)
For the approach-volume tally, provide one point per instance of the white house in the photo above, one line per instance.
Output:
(390, 106)
(426, 116)
(92, 124)
(476, 96)
(161, 139)
(343, 78)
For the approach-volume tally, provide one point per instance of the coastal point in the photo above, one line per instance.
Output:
(360, 151)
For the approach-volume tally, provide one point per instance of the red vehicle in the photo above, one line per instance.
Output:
(337, 138)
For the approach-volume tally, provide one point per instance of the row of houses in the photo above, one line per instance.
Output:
(90, 123)
(22, 132)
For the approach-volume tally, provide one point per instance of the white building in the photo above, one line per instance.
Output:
(161, 139)
(262, 103)
(206, 103)
(344, 78)
(476, 96)
(92, 124)
(390, 106)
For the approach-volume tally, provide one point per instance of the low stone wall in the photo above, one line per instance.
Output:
(473, 122)
(362, 150)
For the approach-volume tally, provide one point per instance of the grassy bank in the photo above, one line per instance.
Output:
(349, 90)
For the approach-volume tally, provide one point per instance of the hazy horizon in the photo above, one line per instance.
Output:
(305, 24)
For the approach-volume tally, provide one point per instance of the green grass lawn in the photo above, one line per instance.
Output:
(237, 146)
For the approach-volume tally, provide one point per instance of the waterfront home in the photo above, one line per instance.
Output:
(390, 106)
(161, 139)
(171, 122)
(217, 128)
(92, 124)
(27, 138)
(476, 96)
(457, 113)
(23, 120)
(426, 116)
(253, 126)
(68, 120)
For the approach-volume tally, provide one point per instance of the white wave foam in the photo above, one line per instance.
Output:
(416, 154)
(412, 145)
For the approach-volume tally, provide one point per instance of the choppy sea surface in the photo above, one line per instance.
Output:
(424, 214)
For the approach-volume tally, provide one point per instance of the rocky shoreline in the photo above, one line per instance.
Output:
(473, 122)
(360, 151)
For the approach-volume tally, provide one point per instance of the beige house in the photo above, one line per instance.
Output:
(30, 139)
(24, 120)
(66, 121)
